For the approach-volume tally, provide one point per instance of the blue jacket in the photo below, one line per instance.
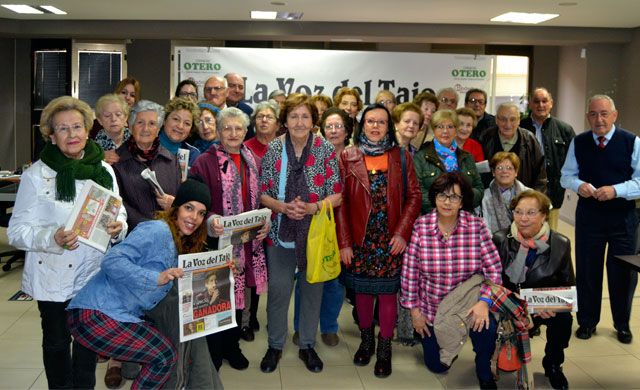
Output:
(127, 283)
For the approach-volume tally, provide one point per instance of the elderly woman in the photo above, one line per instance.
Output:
(467, 122)
(407, 119)
(105, 316)
(206, 135)
(265, 118)
(187, 89)
(443, 155)
(496, 202)
(57, 266)
(180, 117)
(428, 104)
(299, 171)
(142, 151)
(231, 173)
(335, 127)
(381, 200)
(387, 99)
(348, 99)
(535, 256)
(127, 88)
(112, 113)
(449, 246)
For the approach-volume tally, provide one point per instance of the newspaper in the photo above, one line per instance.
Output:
(183, 161)
(150, 177)
(242, 228)
(550, 299)
(206, 294)
(483, 166)
(95, 209)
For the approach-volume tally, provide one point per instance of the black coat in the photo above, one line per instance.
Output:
(557, 136)
(552, 268)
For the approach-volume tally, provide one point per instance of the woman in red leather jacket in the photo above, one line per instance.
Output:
(381, 200)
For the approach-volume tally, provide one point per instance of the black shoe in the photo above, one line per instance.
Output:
(488, 385)
(270, 360)
(254, 324)
(237, 360)
(367, 347)
(382, 368)
(625, 336)
(217, 363)
(584, 332)
(556, 377)
(246, 333)
(310, 359)
(535, 331)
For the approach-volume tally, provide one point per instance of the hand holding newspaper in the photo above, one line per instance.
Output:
(150, 177)
(241, 228)
(557, 299)
(96, 209)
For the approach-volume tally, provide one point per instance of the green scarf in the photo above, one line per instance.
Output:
(69, 170)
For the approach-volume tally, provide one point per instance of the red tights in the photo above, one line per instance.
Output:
(387, 312)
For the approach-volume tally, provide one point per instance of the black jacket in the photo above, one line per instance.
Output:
(552, 268)
(532, 172)
(557, 136)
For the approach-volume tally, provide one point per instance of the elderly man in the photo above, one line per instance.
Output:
(215, 91)
(603, 167)
(447, 99)
(554, 137)
(509, 137)
(476, 99)
(235, 97)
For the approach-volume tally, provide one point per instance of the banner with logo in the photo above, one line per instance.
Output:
(325, 71)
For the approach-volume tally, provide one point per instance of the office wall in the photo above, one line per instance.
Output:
(629, 94)
(7, 107)
(149, 60)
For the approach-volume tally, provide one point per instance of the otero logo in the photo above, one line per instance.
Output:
(473, 73)
(204, 66)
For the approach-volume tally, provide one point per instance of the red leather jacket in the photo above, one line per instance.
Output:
(353, 215)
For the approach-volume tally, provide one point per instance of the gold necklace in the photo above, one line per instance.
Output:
(446, 233)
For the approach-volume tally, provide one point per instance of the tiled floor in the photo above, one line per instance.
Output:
(601, 362)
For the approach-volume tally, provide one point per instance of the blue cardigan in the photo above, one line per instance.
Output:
(127, 283)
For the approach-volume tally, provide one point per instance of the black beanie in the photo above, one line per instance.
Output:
(193, 189)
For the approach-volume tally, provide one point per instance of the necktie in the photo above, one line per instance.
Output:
(601, 142)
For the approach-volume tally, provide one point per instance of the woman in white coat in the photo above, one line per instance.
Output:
(57, 266)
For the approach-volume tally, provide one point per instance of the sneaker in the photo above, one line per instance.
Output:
(330, 339)
(270, 360)
(311, 359)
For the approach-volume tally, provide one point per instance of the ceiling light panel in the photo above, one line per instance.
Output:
(53, 9)
(22, 8)
(524, 17)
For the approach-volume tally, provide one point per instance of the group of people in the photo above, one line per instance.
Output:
(415, 223)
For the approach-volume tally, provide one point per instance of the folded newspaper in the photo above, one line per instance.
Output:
(95, 209)
(183, 161)
(550, 299)
(206, 294)
(150, 177)
(242, 228)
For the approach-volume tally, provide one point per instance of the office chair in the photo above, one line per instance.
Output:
(12, 255)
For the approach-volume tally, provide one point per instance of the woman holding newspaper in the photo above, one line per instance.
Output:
(231, 172)
(57, 266)
(135, 275)
(535, 256)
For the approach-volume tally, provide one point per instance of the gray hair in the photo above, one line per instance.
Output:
(111, 98)
(146, 105)
(268, 105)
(601, 97)
(510, 105)
(448, 89)
(231, 113)
(223, 80)
(276, 93)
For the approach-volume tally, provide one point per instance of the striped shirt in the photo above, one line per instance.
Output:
(433, 266)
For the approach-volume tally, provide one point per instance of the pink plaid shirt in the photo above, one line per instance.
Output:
(432, 266)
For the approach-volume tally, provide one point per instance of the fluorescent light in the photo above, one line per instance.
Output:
(22, 9)
(264, 15)
(53, 9)
(524, 17)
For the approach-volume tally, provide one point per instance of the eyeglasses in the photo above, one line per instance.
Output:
(595, 114)
(233, 129)
(481, 102)
(448, 101)
(385, 102)
(529, 213)
(373, 122)
(268, 118)
(446, 127)
(206, 121)
(332, 126)
(189, 94)
(77, 128)
(507, 168)
(453, 198)
(211, 89)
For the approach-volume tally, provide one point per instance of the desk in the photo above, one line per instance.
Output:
(633, 260)
(8, 191)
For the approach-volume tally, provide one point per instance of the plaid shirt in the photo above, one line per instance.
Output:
(433, 266)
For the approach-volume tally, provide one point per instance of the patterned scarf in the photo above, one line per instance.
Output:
(447, 155)
(517, 271)
(500, 210)
(370, 148)
(292, 230)
(69, 170)
(145, 156)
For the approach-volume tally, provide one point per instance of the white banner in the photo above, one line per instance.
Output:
(325, 71)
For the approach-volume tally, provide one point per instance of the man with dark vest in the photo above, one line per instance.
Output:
(603, 167)
(554, 137)
(476, 99)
